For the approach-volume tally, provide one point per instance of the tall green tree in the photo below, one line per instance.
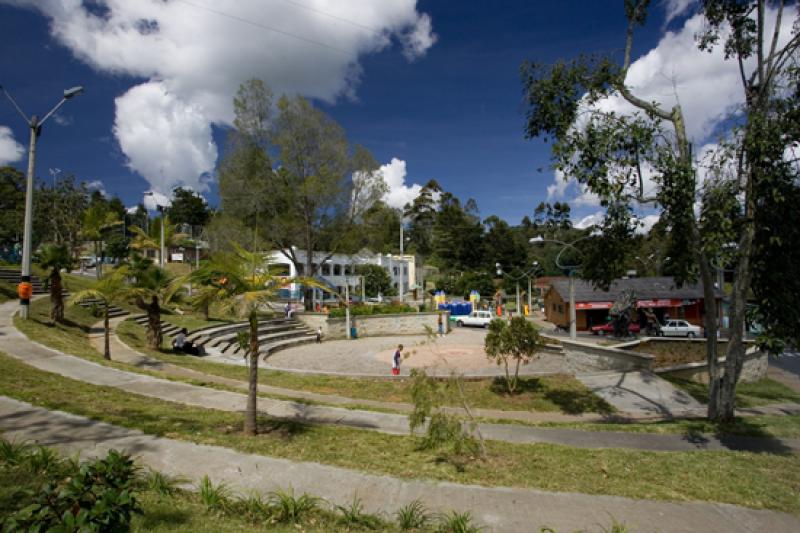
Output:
(58, 212)
(321, 188)
(12, 204)
(376, 280)
(189, 208)
(749, 182)
(245, 171)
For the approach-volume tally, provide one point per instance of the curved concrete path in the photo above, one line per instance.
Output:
(47, 359)
(498, 509)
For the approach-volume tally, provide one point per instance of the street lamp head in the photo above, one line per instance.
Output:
(536, 239)
(73, 91)
(536, 263)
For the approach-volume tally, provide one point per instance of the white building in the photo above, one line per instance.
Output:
(338, 270)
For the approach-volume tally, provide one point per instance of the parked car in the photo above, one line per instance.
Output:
(479, 319)
(605, 329)
(680, 328)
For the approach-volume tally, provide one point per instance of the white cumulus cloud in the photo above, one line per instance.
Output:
(153, 199)
(399, 193)
(10, 150)
(165, 139)
(194, 54)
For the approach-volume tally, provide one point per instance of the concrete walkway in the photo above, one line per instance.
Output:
(499, 509)
(642, 394)
(47, 359)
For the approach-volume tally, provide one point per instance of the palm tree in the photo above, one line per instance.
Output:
(241, 282)
(55, 257)
(150, 286)
(97, 221)
(109, 290)
(151, 239)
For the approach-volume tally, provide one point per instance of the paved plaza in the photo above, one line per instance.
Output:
(461, 350)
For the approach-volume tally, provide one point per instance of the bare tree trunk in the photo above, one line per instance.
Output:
(56, 298)
(734, 357)
(250, 421)
(154, 335)
(107, 344)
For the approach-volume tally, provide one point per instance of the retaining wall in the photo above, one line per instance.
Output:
(584, 357)
(754, 368)
(375, 325)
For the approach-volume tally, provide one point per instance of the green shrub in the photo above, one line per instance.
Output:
(457, 523)
(214, 497)
(354, 515)
(97, 496)
(413, 516)
(288, 508)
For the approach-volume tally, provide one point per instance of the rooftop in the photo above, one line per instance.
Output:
(644, 289)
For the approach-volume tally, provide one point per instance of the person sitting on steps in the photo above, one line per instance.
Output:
(181, 345)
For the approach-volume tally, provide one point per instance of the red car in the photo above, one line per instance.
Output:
(608, 328)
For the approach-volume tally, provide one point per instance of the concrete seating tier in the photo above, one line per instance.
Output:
(220, 341)
(202, 336)
(224, 342)
(12, 277)
(113, 311)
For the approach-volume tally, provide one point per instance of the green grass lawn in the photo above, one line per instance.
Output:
(758, 393)
(7, 292)
(754, 480)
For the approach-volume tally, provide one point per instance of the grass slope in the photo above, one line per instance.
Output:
(753, 480)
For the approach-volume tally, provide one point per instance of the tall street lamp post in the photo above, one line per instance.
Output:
(35, 125)
(573, 333)
(160, 209)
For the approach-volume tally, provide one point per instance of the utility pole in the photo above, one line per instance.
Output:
(518, 297)
(402, 239)
(573, 333)
(25, 289)
(347, 307)
(161, 258)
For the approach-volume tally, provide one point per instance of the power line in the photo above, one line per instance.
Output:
(331, 15)
(264, 27)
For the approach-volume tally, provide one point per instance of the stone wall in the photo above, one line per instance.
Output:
(375, 325)
(754, 368)
(583, 357)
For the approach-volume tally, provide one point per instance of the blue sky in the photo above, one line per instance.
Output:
(436, 85)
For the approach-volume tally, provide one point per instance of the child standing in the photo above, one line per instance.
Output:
(396, 360)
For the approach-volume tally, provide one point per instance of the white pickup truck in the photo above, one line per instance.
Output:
(479, 319)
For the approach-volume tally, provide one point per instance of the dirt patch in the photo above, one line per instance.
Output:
(677, 352)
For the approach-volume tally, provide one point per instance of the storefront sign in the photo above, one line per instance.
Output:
(665, 302)
(593, 305)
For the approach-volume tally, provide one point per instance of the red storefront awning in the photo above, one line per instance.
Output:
(663, 302)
